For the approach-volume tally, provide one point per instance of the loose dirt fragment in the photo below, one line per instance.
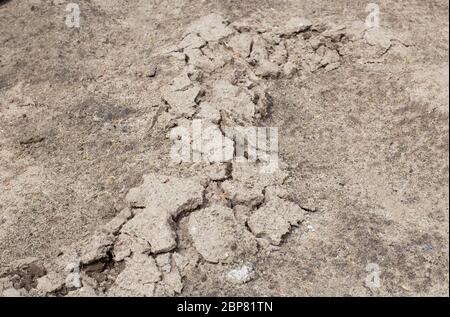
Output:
(209, 113)
(235, 102)
(218, 236)
(182, 103)
(162, 199)
(152, 228)
(163, 261)
(273, 192)
(50, 283)
(181, 83)
(213, 146)
(117, 222)
(139, 277)
(241, 44)
(267, 69)
(170, 194)
(172, 282)
(275, 219)
(239, 193)
(95, 248)
(126, 245)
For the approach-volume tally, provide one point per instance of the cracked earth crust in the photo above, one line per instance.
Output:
(93, 205)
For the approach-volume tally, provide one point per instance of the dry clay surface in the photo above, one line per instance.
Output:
(93, 205)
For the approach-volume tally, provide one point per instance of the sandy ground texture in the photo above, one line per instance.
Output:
(93, 203)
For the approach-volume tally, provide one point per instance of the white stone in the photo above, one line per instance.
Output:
(241, 275)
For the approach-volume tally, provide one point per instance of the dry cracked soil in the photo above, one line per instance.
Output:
(96, 199)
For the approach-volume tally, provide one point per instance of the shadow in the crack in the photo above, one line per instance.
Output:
(3, 2)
